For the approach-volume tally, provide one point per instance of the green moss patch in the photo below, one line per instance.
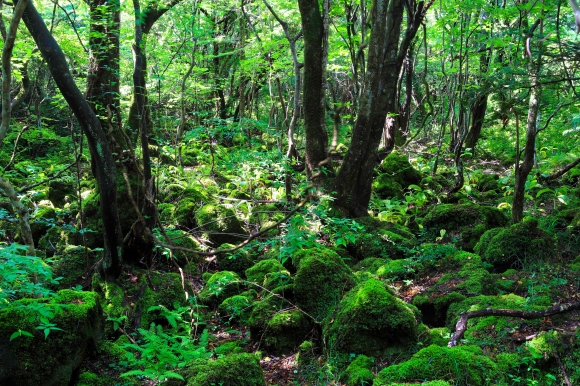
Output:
(369, 320)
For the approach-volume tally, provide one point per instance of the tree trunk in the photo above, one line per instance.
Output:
(91, 126)
(354, 179)
(316, 135)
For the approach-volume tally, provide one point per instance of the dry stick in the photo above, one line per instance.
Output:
(562, 369)
(24, 128)
(461, 325)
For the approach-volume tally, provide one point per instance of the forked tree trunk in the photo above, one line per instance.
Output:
(91, 126)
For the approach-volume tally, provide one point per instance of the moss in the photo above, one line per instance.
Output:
(261, 313)
(439, 336)
(306, 356)
(465, 222)
(220, 224)
(320, 281)
(238, 261)
(51, 361)
(220, 285)
(517, 244)
(72, 264)
(397, 166)
(359, 373)
(233, 370)
(258, 271)
(44, 219)
(158, 288)
(399, 269)
(460, 365)
(370, 264)
(58, 192)
(286, 330)
(386, 186)
(369, 320)
(434, 307)
(233, 347)
(238, 307)
(486, 182)
(190, 201)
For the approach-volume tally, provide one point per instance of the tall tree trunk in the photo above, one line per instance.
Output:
(91, 126)
(313, 94)
(353, 182)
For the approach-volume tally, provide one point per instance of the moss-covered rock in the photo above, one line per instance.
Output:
(382, 240)
(44, 219)
(58, 191)
(468, 275)
(487, 330)
(434, 306)
(52, 361)
(220, 286)
(370, 265)
(359, 372)
(463, 222)
(72, 264)
(238, 307)
(486, 182)
(320, 281)
(233, 370)
(190, 201)
(369, 320)
(286, 330)
(385, 187)
(399, 269)
(220, 224)
(238, 261)
(519, 243)
(257, 273)
(397, 166)
(461, 365)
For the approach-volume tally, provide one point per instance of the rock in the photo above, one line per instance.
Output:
(37, 361)
(371, 319)
(233, 370)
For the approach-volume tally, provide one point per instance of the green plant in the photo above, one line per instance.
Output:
(23, 276)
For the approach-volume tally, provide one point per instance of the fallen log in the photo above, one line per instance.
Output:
(461, 325)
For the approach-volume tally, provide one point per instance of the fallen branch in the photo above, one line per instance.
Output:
(461, 325)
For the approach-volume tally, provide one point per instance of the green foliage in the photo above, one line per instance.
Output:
(159, 354)
(233, 370)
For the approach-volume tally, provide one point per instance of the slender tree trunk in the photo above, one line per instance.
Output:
(314, 85)
(91, 126)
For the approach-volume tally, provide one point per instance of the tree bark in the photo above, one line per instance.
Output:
(91, 126)
(386, 55)
(313, 87)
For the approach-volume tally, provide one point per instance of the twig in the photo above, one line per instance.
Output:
(24, 189)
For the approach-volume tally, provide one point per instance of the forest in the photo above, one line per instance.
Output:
(271, 192)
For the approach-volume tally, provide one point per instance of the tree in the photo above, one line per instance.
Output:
(387, 51)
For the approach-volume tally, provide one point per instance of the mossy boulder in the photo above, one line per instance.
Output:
(257, 273)
(321, 280)
(135, 298)
(464, 223)
(58, 192)
(72, 264)
(486, 182)
(485, 329)
(238, 307)
(233, 370)
(382, 240)
(369, 320)
(399, 269)
(286, 330)
(238, 261)
(397, 166)
(190, 201)
(359, 372)
(44, 219)
(517, 244)
(460, 365)
(370, 265)
(220, 286)
(386, 187)
(469, 277)
(220, 224)
(53, 360)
